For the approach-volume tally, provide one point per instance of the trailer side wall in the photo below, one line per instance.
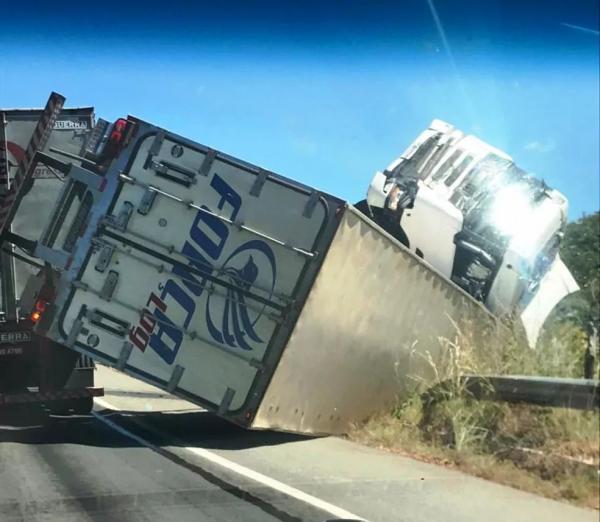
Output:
(371, 325)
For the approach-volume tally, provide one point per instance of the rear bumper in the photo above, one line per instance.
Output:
(31, 397)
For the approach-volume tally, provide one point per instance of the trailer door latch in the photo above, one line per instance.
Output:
(104, 258)
(108, 288)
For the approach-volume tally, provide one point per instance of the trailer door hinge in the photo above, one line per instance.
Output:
(207, 163)
(311, 203)
(74, 333)
(175, 378)
(226, 401)
(259, 182)
(124, 354)
(154, 148)
(146, 202)
(122, 220)
(108, 288)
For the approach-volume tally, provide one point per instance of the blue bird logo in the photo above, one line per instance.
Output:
(233, 323)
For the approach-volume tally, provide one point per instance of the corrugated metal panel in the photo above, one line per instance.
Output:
(374, 314)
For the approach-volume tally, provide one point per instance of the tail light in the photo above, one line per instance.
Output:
(39, 309)
(117, 138)
(118, 132)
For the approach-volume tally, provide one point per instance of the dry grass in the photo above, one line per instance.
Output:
(549, 451)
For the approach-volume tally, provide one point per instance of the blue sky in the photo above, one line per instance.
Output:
(328, 93)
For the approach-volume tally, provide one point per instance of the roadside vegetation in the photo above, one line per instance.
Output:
(553, 452)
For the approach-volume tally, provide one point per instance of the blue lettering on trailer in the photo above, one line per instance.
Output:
(230, 323)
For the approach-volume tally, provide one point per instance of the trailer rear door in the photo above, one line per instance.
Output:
(198, 269)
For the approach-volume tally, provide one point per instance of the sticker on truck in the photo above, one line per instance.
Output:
(15, 337)
(11, 350)
(70, 125)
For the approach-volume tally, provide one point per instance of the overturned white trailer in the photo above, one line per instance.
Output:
(262, 299)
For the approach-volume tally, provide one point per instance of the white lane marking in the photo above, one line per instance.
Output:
(232, 466)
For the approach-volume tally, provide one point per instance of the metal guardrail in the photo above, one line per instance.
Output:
(581, 394)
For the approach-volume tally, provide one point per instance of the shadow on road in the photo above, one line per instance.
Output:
(29, 426)
(196, 428)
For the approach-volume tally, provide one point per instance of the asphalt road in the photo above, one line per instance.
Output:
(145, 455)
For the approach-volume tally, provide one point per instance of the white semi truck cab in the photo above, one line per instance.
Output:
(471, 213)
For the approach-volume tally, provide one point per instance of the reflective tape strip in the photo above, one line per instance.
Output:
(4, 184)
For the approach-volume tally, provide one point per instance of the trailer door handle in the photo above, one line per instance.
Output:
(173, 172)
